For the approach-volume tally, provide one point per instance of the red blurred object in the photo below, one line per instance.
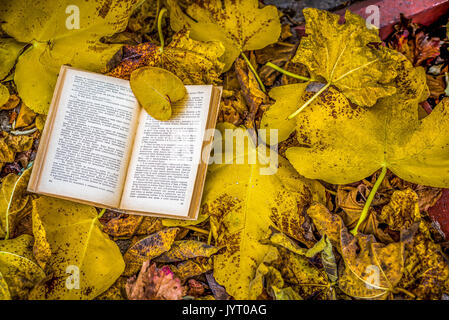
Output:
(424, 12)
(440, 212)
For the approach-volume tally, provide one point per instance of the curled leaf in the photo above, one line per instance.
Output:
(156, 89)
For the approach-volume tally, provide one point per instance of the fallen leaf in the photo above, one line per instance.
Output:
(154, 284)
(127, 225)
(192, 268)
(13, 201)
(12, 102)
(77, 244)
(43, 25)
(9, 51)
(4, 94)
(148, 248)
(243, 200)
(238, 24)
(26, 117)
(402, 210)
(19, 271)
(194, 62)
(10, 145)
(186, 249)
(340, 53)
(156, 89)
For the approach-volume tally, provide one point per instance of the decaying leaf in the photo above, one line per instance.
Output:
(192, 268)
(26, 117)
(43, 25)
(154, 284)
(238, 24)
(194, 62)
(148, 248)
(340, 53)
(156, 89)
(19, 271)
(4, 94)
(186, 249)
(13, 201)
(402, 210)
(10, 145)
(242, 200)
(127, 225)
(77, 244)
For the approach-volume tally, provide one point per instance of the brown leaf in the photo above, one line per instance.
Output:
(126, 226)
(11, 104)
(26, 117)
(153, 283)
(10, 144)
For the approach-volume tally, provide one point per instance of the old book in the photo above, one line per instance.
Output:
(99, 147)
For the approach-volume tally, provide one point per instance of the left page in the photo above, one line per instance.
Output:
(91, 137)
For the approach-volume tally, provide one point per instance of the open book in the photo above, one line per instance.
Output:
(99, 147)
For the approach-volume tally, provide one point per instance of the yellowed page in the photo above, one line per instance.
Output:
(90, 144)
(166, 154)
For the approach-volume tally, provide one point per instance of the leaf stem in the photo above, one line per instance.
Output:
(101, 213)
(287, 73)
(406, 292)
(193, 228)
(159, 28)
(294, 114)
(158, 5)
(251, 67)
(371, 195)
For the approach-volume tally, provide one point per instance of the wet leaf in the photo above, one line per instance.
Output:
(340, 54)
(154, 284)
(77, 244)
(194, 62)
(43, 25)
(239, 25)
(156, 89)
(244, 200)
(19, 271)
(149, 248)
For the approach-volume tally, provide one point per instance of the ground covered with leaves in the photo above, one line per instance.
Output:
(364, 153)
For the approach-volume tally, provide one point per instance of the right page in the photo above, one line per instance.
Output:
(166, 154)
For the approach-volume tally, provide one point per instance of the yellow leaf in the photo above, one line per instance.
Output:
(40, 122)
(4, 94)
(19, 272)
(26, 117)
(12, 102)
(194, 62)
(78, 247)
(10, 144)
(148, 248)
(402, 210)
(340, 54)
(156, 89)
(242, 199)
(56, 40)
(9, 51)
(13, 200)
(238, 24)
(187, 249)
(341, 143)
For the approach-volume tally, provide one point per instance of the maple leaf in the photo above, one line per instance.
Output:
(340, 54)
(238, 24)
(156, 89)
(74, 237)
(194, 62)
(153, 283)
(242, 204)
(19, 271)
(43, 25)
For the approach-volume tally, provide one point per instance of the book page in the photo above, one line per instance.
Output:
(91, 140)
(163, 167)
